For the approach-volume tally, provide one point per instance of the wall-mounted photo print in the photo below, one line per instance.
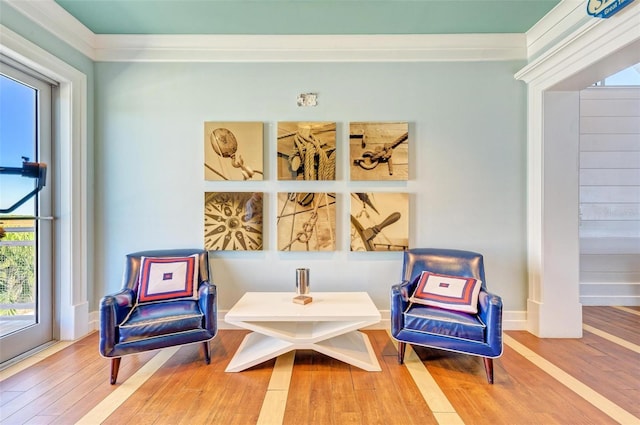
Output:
(306, 151)
(306, 221)
(233, 151)
(379, 150)
(233, 221)
(379, 221)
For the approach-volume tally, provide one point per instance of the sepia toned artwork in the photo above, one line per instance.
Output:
(379, 150)
(306, 221)
(233, 150)
(306, 151)
(379, 221)
(233, 221)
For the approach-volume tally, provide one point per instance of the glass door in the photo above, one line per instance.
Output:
(26, 237)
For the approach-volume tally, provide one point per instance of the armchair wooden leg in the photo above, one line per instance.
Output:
(401, 348)
(207, 352)
(115, 366)
(488, 367)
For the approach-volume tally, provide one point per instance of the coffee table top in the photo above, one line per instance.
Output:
(326, 306)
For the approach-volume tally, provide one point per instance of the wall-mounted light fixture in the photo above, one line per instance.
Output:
(308, 99)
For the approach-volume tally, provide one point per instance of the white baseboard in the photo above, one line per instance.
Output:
(610, 293)
(514, 320)
(73, 324)
(511, 320)
(94, 321)
(610, 300)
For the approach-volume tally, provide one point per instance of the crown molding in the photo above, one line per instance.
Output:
(586, 45)
(52, 17)
(270, 48)
(310, 48)
(561, 20)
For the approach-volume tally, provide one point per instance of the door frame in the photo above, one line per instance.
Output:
(39, 332)
(596, 49)
(72, 208)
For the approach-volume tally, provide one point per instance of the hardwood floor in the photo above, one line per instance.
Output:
(592, 380)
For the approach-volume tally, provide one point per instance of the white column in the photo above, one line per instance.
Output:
(553, 305)
(561, 311)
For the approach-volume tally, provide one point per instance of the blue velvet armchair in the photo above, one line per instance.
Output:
(128, 326)
(476, 334)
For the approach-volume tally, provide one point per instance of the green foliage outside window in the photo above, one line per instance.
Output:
(17, 270)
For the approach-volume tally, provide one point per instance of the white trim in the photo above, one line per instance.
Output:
(511, 320)
(271, 48)
(610, 300)
(588, 44)
(71, 209)
(514, 320)
(610, 293)
(310, 48)
(559, 21)
(52, 17)
(593, 48)
(94, 321)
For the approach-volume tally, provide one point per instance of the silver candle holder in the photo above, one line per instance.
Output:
(303, 286)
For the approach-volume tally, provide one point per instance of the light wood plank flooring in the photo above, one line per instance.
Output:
(593, 380)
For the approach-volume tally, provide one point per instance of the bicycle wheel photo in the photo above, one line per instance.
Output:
(233, 221)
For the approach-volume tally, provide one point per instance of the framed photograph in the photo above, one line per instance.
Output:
(306, 151)
(379, 221)
(379, 150)
(233, 151)
(306, 221)
(233, 221)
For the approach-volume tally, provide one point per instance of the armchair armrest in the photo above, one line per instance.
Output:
(113, 309)
(399, 302)
(208, 305)
(490, 311)
(402, 289)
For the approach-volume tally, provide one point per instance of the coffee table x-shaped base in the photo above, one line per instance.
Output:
(340, 340)
(329, 325)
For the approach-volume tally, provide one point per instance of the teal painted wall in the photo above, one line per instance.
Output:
(145, 129)
(467, 189)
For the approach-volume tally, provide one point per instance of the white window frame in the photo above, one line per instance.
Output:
(71, 206)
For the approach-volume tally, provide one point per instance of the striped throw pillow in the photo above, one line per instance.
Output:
(167, 278)
(448, 292)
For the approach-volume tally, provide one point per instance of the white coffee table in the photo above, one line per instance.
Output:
(328, 325)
